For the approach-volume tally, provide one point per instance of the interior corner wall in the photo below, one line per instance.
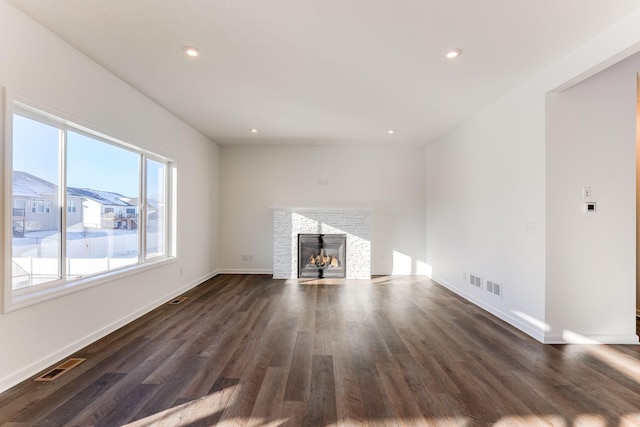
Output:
(40, 67)
(485, 210)
(488, 210)
(591, 257)
(390, 181)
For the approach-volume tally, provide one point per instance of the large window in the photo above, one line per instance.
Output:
(83, 204)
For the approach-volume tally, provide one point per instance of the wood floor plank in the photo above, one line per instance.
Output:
(244, 398)
(248, 350)
(373, 399)
(399, 395)
(268, 407)
(284, 336)
(175, 378)
(322, 399)
(299, 379)
(201, 412)
(130, 387)
(63, 413)
(349, 406)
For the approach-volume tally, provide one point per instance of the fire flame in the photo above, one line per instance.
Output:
(323, 260)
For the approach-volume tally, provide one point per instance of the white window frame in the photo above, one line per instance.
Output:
(17, 299)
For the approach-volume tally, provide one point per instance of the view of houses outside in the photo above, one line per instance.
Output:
(156, 225)
(102, 205)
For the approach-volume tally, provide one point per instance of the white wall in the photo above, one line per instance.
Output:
(38, 66)
(638, 195)
(389, 181)
(485, 210)
(591, 260)
(488, 211)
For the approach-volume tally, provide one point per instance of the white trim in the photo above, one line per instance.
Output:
(43, 363)
(388, 273)
(142, 208)
(536, 334)
(6, 231)
(592, 339)
(32, 297)
(244, 271)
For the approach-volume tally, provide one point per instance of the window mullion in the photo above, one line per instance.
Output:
(62, 202)
(142, 218)
(168, 213)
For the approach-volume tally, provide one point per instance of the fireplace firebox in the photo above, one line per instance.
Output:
(322, 255)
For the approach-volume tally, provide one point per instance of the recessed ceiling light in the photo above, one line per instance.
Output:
(191, 51)
(391, 131)
(453, 53)
(254, 130)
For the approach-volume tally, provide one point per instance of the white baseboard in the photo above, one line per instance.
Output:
(573, 338)
(535, 333)
(33, 368)
(244, 271)
(539, 334)
(380, 273)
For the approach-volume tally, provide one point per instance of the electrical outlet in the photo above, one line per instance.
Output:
(247, 257)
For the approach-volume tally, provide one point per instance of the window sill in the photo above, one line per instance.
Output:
(14, 301)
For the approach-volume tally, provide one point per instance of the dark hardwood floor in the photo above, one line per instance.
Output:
(249, 350)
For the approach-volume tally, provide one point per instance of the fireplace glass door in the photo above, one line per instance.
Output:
(322, 255)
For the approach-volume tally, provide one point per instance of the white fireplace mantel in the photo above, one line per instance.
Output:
(290, 221)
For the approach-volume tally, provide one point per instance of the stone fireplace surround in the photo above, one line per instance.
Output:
(288, 222)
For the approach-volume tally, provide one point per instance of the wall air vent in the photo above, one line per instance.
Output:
(475, 280)
(494, 287)
(61, 369)
(177, 300)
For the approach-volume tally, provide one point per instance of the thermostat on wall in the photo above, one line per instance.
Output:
(589, 207)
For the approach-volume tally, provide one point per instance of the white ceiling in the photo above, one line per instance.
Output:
(325, 71)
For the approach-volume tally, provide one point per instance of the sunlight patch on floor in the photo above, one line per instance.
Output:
(592, 420)
(625, 364)
(629, 420)
(194, 411)
(450, 422)
(531, 421)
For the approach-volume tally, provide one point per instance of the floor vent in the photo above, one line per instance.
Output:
(61, 369)
(178, 300)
